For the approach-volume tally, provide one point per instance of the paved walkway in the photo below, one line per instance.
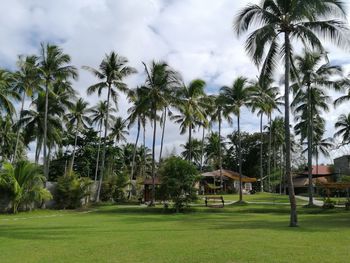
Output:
(316, 202)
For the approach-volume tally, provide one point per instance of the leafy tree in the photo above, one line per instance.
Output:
(281, 22)
(178, 177)
(112, 70)
(25, 182)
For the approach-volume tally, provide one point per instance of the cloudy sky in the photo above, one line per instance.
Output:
(194, 36)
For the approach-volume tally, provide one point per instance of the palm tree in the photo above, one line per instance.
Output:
(98, 116)
(283, 21)
(343, 126)
(265, 100)
(53, 67)
(160, 78)
(112, 70)
(237, 96)
(7, 92)
(321, 146)
(119, 130)
(214, 150)
(190, 108)
(315, 76)
(7, 137)
(27, 83)
(192, 149)
(25, 181)
(78, 120)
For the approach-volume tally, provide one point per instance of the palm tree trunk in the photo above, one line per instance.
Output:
(135, 148)
(261, 156)
(220, 154)
(202, 148)
(18, 129)
(75, 146)
(162, 140)
(309, 147)
(104, 145)
(281, 170)
(190, 143)
(144, 150)
(153, 156)
(46, 172)
(239, 159)
(293, 205)
(98, 152)
(269, 157)
(37, 151)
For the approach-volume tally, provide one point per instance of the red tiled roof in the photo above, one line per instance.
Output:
(319, 170)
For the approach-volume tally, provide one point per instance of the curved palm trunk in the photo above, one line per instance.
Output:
(153, 156)
(293, 206)
(269, 157)
(202, 148)
(74, 148)
(18, 129)
(46, 169)
(261, 155)
(239, 159)
(134, 153)
(103, 157)
(98, 152)
(162, 140)
(220, 154)
(309, 146)
(37, 151)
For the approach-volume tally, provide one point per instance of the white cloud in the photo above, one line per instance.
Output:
(194, 36)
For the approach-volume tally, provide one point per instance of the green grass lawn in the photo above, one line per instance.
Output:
(248, 233)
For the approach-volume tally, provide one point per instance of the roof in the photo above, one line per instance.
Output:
(149, 181)
(319, 170)
(304, 181)
(229, 174)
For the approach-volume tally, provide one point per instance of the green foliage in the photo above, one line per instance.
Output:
(178, 177)
(113, 188)
(71, 190)
(24, 183)
(328, 203)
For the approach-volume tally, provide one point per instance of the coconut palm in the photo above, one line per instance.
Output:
(214, 149)
(265, 100)
(111, 73)
(236, 97)
(315, 74)
(119, 130)
(54, 67)
(7, 92)
(343, 128)
(194, 150)
(98, 116)
(190, 108)
(7, 137)
(160, 78)
(27, 83)
(78, 120)
(25, 181)
(281, 22)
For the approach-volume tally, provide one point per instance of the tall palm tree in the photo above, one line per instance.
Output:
(119, 130)
(321, 146)
(236, 97)
(7, 92)
(316, 76)
(194, 150)
(279, 23)
(190, 108)
(7, 137)
(54, 67)
(78, 120)
(27, 83)
(111, 73)
(265, 100)
(343, 128)
(214, 148)
(160, 78)
(98, 116)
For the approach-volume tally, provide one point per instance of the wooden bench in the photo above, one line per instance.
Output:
(215, 198)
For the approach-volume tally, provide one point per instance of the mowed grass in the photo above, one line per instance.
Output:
(248, 233)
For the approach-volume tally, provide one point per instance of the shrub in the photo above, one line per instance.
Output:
(178, 177)
(328, 203)
(71, 190)
(24, 183)
(113, 188)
